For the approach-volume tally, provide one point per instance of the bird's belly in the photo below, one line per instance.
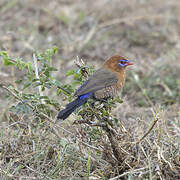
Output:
(110, 91)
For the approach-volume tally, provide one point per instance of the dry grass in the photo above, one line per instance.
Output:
(145, 31)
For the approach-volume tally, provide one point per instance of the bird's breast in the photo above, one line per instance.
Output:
(111, 91)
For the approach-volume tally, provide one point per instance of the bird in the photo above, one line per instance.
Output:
(106, 82)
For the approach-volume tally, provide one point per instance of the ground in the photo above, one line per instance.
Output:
(146, 32)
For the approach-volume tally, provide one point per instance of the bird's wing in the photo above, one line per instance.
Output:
(102, 78)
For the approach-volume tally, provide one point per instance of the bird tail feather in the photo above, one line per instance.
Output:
(71, 107)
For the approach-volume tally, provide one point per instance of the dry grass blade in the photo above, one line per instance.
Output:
(154, 121)
(128, 20)
(129, 172)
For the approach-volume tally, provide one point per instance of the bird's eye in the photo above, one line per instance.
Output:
(122, 62)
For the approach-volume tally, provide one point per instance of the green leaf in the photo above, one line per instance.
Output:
(20, 64)
(42, 87)
(8, 62)
(44, 97)
(39, 56)
(50, 52)
(18, 81)
(26, 85)
(105, 113)
(6, 59)
(70, 72)
(116, 121)
(75, 83)
(35, 80)
(58, 92)
(29, 67)
(77, 76)
(55, 82)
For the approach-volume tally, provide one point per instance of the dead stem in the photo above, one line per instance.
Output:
(154, 121)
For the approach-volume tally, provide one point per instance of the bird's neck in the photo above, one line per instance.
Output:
(121, 77)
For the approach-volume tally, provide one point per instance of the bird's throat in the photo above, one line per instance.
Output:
(121, 77)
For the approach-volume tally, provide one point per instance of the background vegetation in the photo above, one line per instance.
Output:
(40, 70)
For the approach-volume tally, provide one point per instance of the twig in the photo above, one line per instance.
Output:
(79, 62)
(128, 172)
(128, 20)
(59, 87)
(154, 121)
(160, 155)
(81, 65)
(13, 94)
(37, 76)
(166, 88)
(90, 123)
(50, 120)
(40, 174)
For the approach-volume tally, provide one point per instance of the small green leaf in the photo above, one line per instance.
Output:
(70, 72)
(18, 81)
(55, 82)
(8, 62)
(52, 69)
(29, 67)
(58, 92)
(77, 76)
(44, 97)
(116, 121)
(26, 85)
(75, 83)
(42, 87)
(105, 113)
(35, 80)
(6, 59)
(50, 52)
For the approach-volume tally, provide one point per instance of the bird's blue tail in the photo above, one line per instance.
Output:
(73, 105)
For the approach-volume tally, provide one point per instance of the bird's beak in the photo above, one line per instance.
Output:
(129, 63)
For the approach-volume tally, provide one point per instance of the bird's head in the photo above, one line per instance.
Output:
(117, 63)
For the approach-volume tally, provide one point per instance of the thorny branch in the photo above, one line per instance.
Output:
(54, 130)
(81, 65)
(111, 133)
(59, 87)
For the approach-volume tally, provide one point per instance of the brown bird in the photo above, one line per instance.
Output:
(105, 82)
